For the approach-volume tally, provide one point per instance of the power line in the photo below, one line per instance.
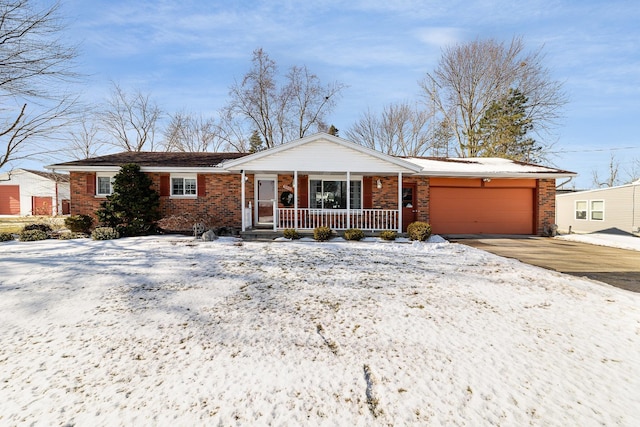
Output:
(595, 150)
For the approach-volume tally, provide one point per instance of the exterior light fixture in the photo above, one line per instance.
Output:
(379, 184)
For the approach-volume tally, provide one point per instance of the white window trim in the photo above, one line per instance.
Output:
(596, 210)
(336, 177)
(586, 210)
(183, 177)
(104, 175)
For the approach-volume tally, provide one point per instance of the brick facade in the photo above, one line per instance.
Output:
(221, 198)
(545, 205)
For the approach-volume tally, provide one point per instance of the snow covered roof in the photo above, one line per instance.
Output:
(484, 166)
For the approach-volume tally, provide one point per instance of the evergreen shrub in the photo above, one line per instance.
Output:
(419, 230)
(32, 235)
(291, 233)
(105, 233)
(388, 235)
(79, 223)
(354, 234)
(322, 234)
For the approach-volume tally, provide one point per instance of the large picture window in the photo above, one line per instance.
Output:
(332, 194)
(183, 186)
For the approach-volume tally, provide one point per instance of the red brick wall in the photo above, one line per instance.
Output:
(545, 205)
(221, 200)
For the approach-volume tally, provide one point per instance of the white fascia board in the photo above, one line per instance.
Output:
(155, 169)
(520, 175)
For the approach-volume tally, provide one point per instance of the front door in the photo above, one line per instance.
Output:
(409, 204)
(266, 194)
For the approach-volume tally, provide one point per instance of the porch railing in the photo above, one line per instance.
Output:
(338, 219)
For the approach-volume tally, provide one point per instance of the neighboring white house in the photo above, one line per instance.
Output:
(26, 192)
(605, 209)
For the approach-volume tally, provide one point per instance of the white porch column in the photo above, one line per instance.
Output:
(348, 199)
(242, 197)
(399, 202)
(295, 199)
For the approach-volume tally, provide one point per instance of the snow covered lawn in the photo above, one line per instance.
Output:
(170, 331)
(602, 239)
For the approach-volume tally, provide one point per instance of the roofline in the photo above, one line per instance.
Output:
(157, 169)
(233, 164)
(529, 175)
(593, 190)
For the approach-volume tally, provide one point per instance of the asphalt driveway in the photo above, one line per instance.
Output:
(617, 267)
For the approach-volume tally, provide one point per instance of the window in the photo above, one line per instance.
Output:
(581, 209)
(597, 210)
(333, 194)
(183, 186)
(104, 185)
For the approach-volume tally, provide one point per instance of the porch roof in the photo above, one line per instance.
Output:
(321, 153)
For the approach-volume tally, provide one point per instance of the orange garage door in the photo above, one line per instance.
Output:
(9, 200)
(481, 210)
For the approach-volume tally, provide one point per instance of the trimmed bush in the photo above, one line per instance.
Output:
(322, 234)
(79, 223)
(291, 233)
(388, 235)
(5, 237)
(419, 230)
(353, 234)
(46, 228)
(69, 236)
(105, 233)
(32, 235)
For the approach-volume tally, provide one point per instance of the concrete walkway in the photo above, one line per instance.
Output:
(617, 267)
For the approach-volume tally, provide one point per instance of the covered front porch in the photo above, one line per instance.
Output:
(323, 180)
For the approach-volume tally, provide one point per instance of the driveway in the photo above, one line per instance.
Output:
(617, 267)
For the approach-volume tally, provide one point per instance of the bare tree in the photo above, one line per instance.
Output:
(613, 179)
(84, 138)
(401, 129)
(471, 77)
(281, 112)
(34, 65)
(188, 132)
(130, 120)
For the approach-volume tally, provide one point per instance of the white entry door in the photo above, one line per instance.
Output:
(266, 194)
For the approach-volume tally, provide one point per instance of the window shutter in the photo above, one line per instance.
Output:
(367, 192)
(165, 187)
(202, 185)
(303, 191)
(91, 183)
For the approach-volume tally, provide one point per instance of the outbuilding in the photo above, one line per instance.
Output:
(26, 192)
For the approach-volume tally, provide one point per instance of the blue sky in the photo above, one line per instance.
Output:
(188, 53)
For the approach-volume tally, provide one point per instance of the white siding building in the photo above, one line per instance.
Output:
(26, 192)
(615, 209)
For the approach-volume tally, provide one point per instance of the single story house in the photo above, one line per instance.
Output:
(614, 209)
(26, 192)
(326, 180)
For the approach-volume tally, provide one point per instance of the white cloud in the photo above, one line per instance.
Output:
(439, 36)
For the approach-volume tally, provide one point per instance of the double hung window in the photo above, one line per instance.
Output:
(183, 186)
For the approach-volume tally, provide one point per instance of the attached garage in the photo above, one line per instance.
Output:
(477, 206)
(9, 200)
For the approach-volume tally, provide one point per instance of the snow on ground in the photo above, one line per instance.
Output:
(171, 331)
(603, 239)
